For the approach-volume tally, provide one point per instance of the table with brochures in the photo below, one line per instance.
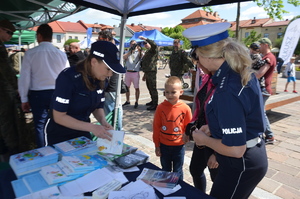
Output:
(67, 168)
(190, 192)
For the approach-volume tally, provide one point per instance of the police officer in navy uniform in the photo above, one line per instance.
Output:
(79, 92)
(234, 112)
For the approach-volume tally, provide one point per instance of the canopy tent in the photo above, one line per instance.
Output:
(29, 13)
(127, 8)
(159, 38)
(24, 37)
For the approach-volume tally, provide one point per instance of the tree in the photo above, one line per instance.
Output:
(176, 33)
(275, 8)
(251, 38)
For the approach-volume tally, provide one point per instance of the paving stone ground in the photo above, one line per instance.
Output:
(283, 177)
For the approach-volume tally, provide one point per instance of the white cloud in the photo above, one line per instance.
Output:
(224, 7)
(254, 11)
(151, 17)
(289, 17)
(96, 14)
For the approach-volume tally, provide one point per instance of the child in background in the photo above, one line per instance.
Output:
(290, 72)
(170, 120)
(256, 64)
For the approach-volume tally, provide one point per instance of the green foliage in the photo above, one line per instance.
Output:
(274, 8)
(179, 29)
(70, 41)
(176, 33)
(207, 9)
(231, 33)
(251, 38)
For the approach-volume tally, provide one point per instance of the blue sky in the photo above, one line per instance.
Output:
(173, 18)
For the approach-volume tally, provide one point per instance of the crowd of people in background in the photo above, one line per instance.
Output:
(62, 89)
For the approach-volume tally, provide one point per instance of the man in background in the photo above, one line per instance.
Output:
(267, 71)
(179, 61)
(40, 68)
(133, 64)
(75, 54)
(149, 68)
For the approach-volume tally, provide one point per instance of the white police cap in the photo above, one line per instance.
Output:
(204, 35)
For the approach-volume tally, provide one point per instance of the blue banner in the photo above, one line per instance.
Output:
(89, 36)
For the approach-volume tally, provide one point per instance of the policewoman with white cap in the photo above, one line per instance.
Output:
(79, 91)
(234, 112)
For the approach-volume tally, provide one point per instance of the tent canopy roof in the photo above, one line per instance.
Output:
(141, 7)
(159, 38)
(27, 37)
(25, 14)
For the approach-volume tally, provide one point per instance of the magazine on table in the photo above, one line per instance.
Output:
(159, 178)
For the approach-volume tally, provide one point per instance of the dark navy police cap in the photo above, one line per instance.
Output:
(204, 35)
(109, 53)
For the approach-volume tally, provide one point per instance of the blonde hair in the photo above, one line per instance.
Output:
(234, 53)
(173, 80)
(85, 68)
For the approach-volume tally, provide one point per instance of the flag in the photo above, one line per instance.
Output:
(89, 36)
(290, 41)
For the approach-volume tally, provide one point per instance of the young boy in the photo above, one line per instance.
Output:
(290, 72)
(256, 64)
(170, 120)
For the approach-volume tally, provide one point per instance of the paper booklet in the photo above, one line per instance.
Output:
(159, 178)
(76, 146)
(30, 161)
(54, 175)
(114, 146)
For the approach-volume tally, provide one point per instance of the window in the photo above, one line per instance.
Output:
(70, 37)
(58, 38)
(279, 35)
(76, 37)
(266, 35)
(247, 34)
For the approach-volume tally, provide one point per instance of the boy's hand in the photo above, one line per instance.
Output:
(185, 138)
(157, 151)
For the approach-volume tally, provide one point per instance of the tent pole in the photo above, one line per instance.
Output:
(19, 54)
(121, 48)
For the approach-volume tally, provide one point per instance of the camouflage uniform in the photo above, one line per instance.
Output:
(179, 63)
(148, 66)
(14, 137)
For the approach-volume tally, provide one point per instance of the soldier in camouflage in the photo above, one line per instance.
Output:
(179, 62)
(148, 66)
(13, 134)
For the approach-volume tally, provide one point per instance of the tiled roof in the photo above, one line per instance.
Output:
(200, 17)
(278, 23)
(203, 14)
(141, 27)
(71, 26)
(189, 25)
(233, 24)
(55, 27)
(251, 23)
(256, 22)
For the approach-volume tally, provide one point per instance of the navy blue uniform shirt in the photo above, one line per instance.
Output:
(235, 113)
(72, 96)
